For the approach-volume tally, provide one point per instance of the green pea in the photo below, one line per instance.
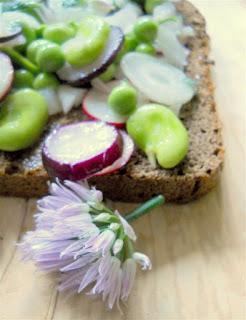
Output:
(44, 80)
(108, 74)
(130, 43)
(23, 79)
(58, 33)
(145, 48)
(33, 48)
(89, 42)
(146, 29)
(23, 116)
(151, 4)
(123, 99)
(50, 57)
(160, 134)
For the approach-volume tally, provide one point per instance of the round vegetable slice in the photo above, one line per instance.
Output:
(8, 33)
(79, 150)
(128, 148)
(6, 75)
(96, 107)
(160, 82)
(81, 76)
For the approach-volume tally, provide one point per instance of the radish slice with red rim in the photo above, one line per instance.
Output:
(81, 76)
(95, 106)
(77, 151)
(128, 148)
(6, 75)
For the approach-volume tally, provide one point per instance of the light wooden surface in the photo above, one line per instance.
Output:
(198, 250)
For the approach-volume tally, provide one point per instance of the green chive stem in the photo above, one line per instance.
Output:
(145, 208)
(20, 60)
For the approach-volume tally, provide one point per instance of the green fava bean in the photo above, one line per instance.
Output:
(145, 48)
(45, 80)
(146, 29)
(160, 134)
(33, 48)
(89, 42)
(50, 57)
(23, 79)
(123, 99)
(108, 74)
(28, 32)
(23, 116)
(58, 33)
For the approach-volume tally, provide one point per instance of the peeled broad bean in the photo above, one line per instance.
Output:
(58, 33)
(23, 116)
(50, 57)
(160, 134)
(88, 43)
(145, 48)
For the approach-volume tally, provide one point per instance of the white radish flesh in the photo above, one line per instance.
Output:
(70, 97)
(6, 75)
(95, 106)
(79, 150)
(128, 148)
(160, 82)
(51, 97)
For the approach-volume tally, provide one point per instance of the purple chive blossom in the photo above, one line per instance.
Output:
(86, 242)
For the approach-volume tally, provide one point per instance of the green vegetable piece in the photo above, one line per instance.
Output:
(145, 48)
(130, 43)
(123, 99)
(23, 116)
(151, 4)
(89, 42)
(33, 48)
(44, 80)
(23, 79)
(160, 134)
(108, 74)
(20, 60)
(50, 57)
(146, 29)
(58, 33)
(28, 32)
(40, 30)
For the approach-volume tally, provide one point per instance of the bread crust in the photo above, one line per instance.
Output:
(22, 173)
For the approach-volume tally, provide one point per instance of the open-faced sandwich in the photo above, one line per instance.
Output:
(118, 92)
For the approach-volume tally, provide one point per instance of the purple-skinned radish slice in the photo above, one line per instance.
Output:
(127, 151)
(81, 76)
(6, 75)
(79, 150)
(95, 106)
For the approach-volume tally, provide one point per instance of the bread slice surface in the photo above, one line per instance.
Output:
(22, 173)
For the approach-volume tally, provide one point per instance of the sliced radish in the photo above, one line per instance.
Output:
(51, 97)
(160, 82)
(79, 150)
(70, 97)
(8, 32)
(95, 106)
(81, 76)
(6, 75)
(13, 17)
(128, 148)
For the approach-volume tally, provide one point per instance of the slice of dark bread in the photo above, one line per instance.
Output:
(22, 173)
